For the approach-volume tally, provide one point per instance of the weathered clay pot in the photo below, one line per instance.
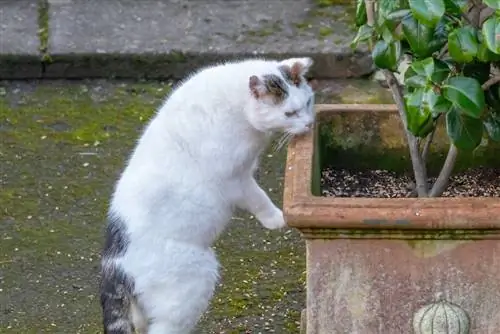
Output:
(377, 265)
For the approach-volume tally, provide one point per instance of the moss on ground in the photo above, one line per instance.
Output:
(43, 29)
(63, 146)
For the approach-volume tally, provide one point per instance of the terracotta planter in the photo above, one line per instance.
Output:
(378, 265)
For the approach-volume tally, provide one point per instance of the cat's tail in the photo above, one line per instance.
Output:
(116, 296)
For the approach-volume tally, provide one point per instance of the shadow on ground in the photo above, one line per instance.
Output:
(62, 147)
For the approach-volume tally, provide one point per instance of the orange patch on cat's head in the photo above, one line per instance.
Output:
(269, 87)
(296, 72)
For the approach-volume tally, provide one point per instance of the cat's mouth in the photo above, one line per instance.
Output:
(305, 130)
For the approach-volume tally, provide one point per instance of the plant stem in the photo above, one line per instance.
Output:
(419, 168)
(370, 19)
(466, 18)
(444, 176)
(443, 51)
(370, 12)
(491, 82)
(474, 14)
(427, 145)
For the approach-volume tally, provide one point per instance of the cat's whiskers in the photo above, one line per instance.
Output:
(280, 143)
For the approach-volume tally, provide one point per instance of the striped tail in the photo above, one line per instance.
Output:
(116, 292)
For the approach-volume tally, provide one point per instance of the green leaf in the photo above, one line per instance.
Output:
(485, 55)
(429, 12)
(465, 132)
(365, 32)
(387, 33)
(385, 7)
(389, 30)
(463, 44)
(386, 55)
(441, 71)
(492, 126)
(491, 33)
(418, 114)
(423, 40)
(360, 13)
(414, 80)
(455, 7)
(437, 103)
(465, 94)
(434, 70)
(398, 15)
(495, 4)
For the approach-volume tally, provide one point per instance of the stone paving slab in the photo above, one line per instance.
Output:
(167, 39)
(19, 43)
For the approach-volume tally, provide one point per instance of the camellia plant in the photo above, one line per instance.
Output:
(451, 53)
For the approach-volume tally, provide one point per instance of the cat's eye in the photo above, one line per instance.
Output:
(291, 113)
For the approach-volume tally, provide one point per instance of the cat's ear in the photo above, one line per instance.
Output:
(257, 86)
(298, 66)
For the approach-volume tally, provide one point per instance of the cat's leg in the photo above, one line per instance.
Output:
(255, 200)
(178, 290)
(138, 317)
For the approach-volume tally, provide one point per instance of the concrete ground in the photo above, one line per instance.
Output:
(168, 38)
(63, 145)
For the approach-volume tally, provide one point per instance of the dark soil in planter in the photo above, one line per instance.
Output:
(386, 184)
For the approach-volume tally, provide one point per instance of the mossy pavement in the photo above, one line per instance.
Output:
(63, 144)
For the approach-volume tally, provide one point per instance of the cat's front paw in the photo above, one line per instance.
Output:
(273, 221)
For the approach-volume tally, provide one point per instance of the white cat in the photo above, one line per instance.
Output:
(192, 166)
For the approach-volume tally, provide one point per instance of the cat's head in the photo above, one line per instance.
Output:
(283, 100)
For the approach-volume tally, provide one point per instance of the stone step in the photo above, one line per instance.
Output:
(169, 38)
(19, 41)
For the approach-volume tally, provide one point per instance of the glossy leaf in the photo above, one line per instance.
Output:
(423, 40)
(495, 4)
(491, 33)
(465, 94)
(434, 70)
(465, 132)
(385, 7)
(398, 15)
(387, 33)
(365, 32)
(484, 54)
(492, 126)
(428, 12)
(437, 103)
(414, 80)
(455, 6)
(386, 55)
(387, 22)
(418, 114)
(360, 13)
(463, 44)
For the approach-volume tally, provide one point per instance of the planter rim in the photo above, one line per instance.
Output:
(303, 210)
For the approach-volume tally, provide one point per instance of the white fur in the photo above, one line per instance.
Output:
(192, 166)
